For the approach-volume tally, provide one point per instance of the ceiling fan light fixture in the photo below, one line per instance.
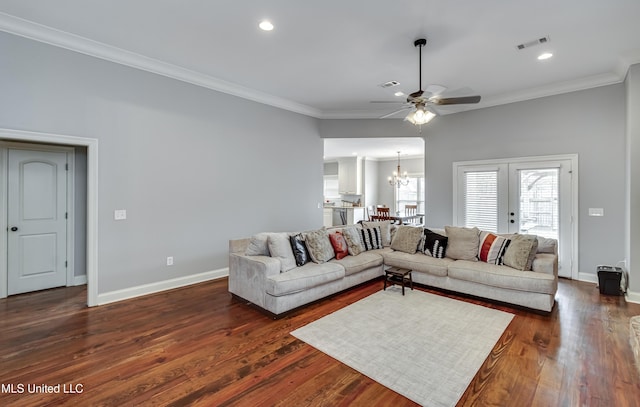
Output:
(420, 116)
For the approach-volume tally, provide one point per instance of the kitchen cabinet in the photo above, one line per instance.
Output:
(350, 175)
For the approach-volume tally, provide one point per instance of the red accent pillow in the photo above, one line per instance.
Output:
(339, 245)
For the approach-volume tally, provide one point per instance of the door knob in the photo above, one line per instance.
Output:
(14, 229)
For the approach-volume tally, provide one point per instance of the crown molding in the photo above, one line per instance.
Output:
(28, 29)
(38, 32)
(557, 88)
(512, 97)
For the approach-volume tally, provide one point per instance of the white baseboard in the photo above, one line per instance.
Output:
(79, 280)
(588, 277)
(632, 296)
(132, 292)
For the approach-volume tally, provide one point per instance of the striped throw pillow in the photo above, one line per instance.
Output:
(492, 248)
(371, 238)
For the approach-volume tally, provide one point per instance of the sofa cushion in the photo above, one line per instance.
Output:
(406, 239)
(303, 278)
(299, 248)
(356, 264)
(354, 240)
(319, 246)
(463, 243)
(503, 277)
(434, 244)
(339, 245)
(280, 248)
(546, 245)
(258, 245)
(521, 252)
(418, 262)
(492, 247)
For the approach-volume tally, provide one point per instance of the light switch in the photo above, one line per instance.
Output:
(596, 211)
(120, 214)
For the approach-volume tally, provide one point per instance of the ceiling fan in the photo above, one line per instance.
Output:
(424, 100)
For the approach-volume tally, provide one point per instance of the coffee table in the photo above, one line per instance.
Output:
(398, 275)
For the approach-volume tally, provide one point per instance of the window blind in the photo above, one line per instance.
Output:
(481, 200)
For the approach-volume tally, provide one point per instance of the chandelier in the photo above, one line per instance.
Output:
(396, 179)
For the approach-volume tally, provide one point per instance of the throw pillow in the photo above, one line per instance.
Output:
(280, 248)
(299, 249)
(521, 252)
(352, 237)
(463, 243)
(434, 244)
(492, 247)
(258, 245)
(339, 245)
(406, 239)
(385, 229)
(371, 238)
(319, 246)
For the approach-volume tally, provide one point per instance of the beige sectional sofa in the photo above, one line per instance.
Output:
(258, 277)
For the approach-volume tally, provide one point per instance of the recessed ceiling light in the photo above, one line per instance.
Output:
(544, 56)
(399, 94)
(354, 153)
(266, 25)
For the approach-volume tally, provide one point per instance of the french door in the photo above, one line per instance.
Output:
(527, 196)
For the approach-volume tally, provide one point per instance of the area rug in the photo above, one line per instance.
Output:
(426, 347)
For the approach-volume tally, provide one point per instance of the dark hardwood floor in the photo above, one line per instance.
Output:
(198, 346)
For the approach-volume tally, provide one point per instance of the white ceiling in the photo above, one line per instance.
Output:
(326, 58)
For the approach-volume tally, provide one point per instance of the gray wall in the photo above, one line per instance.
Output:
(590, 123)
(633, 177)
(192, 167)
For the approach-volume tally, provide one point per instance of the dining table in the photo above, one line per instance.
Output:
(399, 219)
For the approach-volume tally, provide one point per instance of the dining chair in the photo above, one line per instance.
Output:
(412, 210)
(382, 213)
(371, 211)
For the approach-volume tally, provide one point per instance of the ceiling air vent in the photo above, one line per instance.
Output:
(389, 84)
(533, 43)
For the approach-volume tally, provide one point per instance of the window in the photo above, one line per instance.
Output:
(411, 194)
(480, 196)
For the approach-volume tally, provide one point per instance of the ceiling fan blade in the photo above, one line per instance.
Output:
(394, 113)
(435, 89)
(455, 100)
(387, 101)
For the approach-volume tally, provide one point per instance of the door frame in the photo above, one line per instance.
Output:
(70, 178)
(575, 275)
(10, 135)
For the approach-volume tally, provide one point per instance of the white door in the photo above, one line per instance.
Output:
(519, 197)
(36, 220)
(540, 204)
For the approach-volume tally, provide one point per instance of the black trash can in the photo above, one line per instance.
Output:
(609, 280)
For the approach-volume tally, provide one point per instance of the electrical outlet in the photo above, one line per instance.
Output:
(120, 214)
(170, 261)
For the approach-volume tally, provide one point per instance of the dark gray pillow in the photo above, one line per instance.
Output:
(434, 244)
(299, 248)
